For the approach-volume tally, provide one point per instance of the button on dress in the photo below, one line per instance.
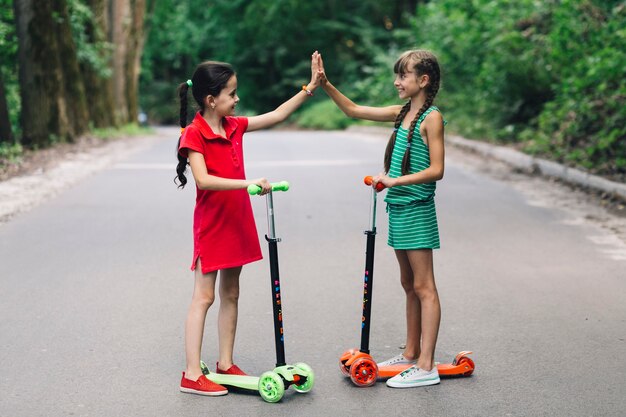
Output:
(224, 230)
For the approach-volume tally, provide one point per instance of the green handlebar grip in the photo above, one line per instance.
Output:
(254, 189)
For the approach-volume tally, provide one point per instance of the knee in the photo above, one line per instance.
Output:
(203, 301)
(230, 295)
(407, 283)
(425, 291)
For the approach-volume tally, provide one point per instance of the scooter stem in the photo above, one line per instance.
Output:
(272, 241)
(368, 279)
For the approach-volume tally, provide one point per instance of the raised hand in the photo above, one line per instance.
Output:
(315, 68)
(321, 73)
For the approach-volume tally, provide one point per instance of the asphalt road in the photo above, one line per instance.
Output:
(95, 285)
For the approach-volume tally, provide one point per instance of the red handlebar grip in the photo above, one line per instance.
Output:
(369, 180)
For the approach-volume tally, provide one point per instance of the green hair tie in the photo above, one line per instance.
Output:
(189, 83)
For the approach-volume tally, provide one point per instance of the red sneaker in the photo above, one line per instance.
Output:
(233, 370)
(202, 386)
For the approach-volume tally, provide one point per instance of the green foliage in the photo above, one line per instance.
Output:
(585, 124)
(131, 129)
(8, 62)
(91, 47)
(268, 42)
(548, 73)
(10, 153)
(323, 115)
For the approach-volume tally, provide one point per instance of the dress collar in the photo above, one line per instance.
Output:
(230, 125)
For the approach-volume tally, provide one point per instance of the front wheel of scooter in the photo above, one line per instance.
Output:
(271, 387)
(364, 372)
(310, 378)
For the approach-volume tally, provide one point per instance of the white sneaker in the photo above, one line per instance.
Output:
(397, 360)
(414, 377)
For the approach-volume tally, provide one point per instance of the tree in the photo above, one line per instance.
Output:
(53, 95)
(6, 134)
(78, 66)
(126, 30)
(7, 58)
(96, 69)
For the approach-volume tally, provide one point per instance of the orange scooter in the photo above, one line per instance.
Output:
(358, 363)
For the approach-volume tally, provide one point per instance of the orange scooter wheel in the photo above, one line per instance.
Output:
(364, 372)
(465, 361)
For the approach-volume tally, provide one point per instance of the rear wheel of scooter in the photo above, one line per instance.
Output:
(364, 372)
(310, 378)
(465, 361)
(271, 387)
(344, 369)
(345, 356)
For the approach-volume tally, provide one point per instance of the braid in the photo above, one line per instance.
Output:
(406, 159)
(429, 66)
(182, 161)
(392, 139)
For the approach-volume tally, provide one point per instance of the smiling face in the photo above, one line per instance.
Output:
(227, 99)
(408, 82)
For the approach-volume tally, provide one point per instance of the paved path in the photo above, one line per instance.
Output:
(95, 287)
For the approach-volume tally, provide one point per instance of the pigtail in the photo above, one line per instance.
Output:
(181, 168)
(392, 140)
(426, 65)
(406, 159)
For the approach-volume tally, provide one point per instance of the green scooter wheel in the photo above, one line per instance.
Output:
(310, 378)
(271, 387)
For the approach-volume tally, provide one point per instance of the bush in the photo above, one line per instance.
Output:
(548, 75)
(323, 115)
(585, 124)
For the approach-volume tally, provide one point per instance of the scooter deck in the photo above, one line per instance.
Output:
(240, 381)
(462, 365)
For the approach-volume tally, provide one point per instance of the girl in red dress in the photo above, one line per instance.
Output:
(224, 231)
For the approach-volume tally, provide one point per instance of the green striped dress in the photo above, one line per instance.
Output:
(411, 208)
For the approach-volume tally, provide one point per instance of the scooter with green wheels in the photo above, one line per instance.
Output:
(272, 384)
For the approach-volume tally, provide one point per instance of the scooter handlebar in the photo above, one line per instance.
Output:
(369, 180)
(254, 189)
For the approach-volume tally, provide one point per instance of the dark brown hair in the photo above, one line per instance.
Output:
(422, 63)
(209, 78)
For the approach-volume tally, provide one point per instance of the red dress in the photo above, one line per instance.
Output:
(224, 231)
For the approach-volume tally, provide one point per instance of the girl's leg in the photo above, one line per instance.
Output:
(203, 297)
(413, 308)
(421, 262)
(227, 316)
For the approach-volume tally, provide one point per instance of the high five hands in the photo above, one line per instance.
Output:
(317, 69)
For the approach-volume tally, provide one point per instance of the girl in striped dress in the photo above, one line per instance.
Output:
(414, 161)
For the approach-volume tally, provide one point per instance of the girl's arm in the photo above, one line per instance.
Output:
(283, 111)
(351, 109)
(433, 127)
(204, 181)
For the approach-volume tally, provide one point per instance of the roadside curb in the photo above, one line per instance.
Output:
(524, 162)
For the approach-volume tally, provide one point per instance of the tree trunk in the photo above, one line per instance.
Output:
(136, 41)
(6, 134)
(53, 97)
(126, 33)
(99, 88)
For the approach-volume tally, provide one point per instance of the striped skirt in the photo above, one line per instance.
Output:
(413, 226)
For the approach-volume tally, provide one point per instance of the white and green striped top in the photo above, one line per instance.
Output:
(420, 160)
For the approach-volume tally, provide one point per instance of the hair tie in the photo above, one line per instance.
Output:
(189, 83)
(395, 130)
(408, 145)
